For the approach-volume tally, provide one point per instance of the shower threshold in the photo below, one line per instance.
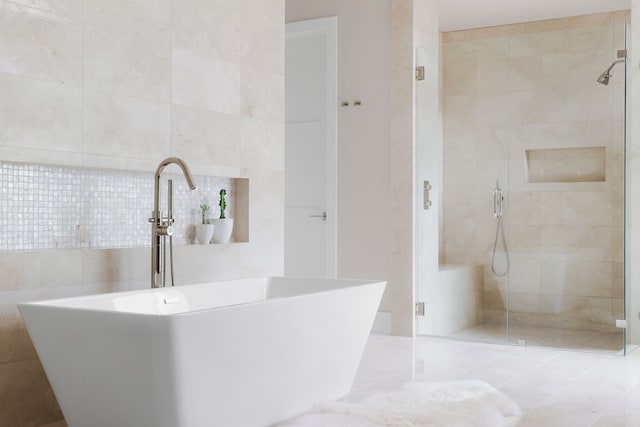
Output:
(536, 336)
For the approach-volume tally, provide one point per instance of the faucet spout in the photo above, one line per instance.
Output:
(163, 164)
(161, 227)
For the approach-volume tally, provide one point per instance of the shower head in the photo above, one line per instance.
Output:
(604, 78)
(606, 74)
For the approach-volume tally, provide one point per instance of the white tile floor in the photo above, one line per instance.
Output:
(552, 387)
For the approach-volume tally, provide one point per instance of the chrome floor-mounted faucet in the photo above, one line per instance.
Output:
(161, 227)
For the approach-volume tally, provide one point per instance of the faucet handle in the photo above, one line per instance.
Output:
(165, 230)
(155, 217)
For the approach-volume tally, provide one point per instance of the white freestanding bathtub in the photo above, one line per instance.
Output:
(238, 353)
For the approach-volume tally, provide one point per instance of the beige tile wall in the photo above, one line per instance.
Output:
(401, 167)
(124, 84)
(415, 155)
(525, 87)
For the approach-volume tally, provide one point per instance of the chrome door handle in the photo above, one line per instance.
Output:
(323, 216)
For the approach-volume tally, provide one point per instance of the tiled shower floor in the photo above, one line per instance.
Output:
(569, 339)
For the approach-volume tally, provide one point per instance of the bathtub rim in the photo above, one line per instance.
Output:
(54, 303)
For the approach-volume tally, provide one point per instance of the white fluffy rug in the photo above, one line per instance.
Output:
(448, 404)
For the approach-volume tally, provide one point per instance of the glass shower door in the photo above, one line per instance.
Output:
(566, 189)
(434, 311)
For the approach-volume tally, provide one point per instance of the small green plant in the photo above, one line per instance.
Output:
(222, 203)
(204, 208)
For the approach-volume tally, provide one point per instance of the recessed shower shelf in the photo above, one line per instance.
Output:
(558, 165)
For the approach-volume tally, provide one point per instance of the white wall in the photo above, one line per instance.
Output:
(363, 133)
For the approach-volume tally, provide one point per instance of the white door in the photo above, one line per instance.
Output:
(310, 148)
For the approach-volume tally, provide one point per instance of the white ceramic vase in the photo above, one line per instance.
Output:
(204, 232)
(223, 229)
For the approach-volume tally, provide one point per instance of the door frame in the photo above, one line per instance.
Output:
(328, 28)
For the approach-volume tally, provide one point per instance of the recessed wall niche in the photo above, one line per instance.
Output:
(578, 164)
(55, 207)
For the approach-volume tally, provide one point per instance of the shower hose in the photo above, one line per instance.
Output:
(499, 231)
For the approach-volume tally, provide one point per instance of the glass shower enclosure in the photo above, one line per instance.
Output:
(530, 188)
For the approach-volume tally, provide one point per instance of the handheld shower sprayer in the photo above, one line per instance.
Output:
(498, 206)
(498, 198)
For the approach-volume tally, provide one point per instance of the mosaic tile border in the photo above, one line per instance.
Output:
(55, 207)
